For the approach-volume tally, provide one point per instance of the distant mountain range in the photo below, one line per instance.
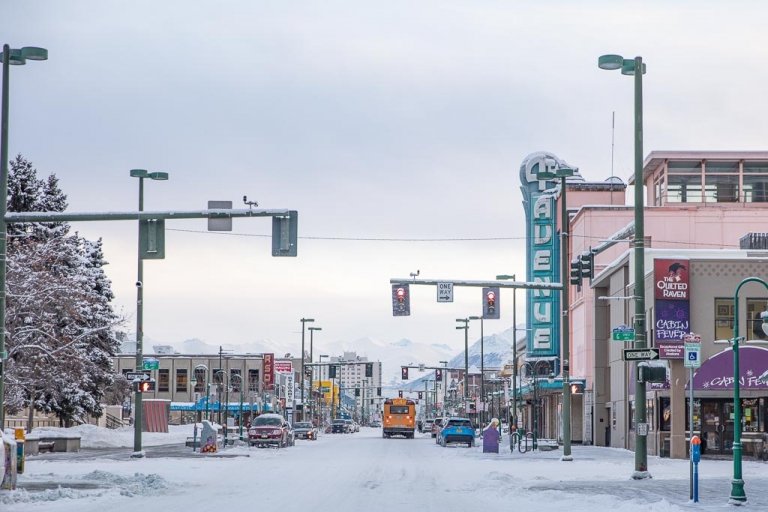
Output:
(497, 351)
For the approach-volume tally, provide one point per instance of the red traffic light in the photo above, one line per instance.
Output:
(404, 372)
(491, 297)
(400, 294)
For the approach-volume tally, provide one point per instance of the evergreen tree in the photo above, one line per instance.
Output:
(59, 319)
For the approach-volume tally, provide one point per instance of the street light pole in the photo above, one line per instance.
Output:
(16, 57)
(738, 496)
(465, 321)
(636, 67)
(303, 321)
(443, 382)
(138, 420)
(513, 423)
(483, 416)
(312, 371)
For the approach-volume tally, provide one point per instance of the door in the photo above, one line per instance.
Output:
(711, 427)
(727, 427)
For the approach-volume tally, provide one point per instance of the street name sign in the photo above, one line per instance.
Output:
(151, 364)
(640, 354)
(444, 292)
(136, 376)
(623, 333)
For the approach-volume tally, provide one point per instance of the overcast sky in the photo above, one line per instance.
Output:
(388, 119)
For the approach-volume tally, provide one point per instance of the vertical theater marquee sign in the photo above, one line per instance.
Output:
(672, 312)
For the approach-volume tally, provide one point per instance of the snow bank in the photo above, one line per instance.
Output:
(92, 436)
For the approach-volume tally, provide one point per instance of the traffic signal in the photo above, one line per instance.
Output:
(369, 369)
(332, 372)
(439, 374)
(404, 372)
(401, 300)
(491, 303)
(400, 393)
(420, 395)
(587, 265)
(357, 391)
(144, 386)
(576, 272)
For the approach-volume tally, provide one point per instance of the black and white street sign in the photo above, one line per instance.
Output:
(641, 354)
(444, 292)
(136, 376)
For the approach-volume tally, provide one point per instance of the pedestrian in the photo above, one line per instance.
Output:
(491, 437)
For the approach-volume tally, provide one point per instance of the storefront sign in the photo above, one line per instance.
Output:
(284, 366)
(716, 373)
(269, 370)
(672, 321)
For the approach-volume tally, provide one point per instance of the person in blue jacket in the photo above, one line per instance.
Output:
(491, 437)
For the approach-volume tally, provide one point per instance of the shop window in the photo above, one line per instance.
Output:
(754, 330)
(723, 319)
(696, 414)
(181, 381)
(163, 380)
(751, 415)
(665, 414)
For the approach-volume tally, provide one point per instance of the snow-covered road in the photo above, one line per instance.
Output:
(363, 472)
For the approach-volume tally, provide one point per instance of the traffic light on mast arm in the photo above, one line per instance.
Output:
(439, 374)
(587, 260)
(401, 300)
(404, 372)
(491, 303)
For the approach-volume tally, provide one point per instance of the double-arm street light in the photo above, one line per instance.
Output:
(303, 321)
(240, 387)
(635, 67)
(513, 421)
(161, 176)
(206, 387)
(465, 321)
(548, 174)
(9, 57)
(482, 367)
(312, 371)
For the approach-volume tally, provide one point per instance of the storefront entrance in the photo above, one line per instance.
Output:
(717, 427)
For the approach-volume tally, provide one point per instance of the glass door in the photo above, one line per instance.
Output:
(728, 427)
(711, 427)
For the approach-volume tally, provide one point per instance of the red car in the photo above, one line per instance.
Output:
(270, 430)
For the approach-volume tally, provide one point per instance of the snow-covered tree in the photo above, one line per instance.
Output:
(59, 319)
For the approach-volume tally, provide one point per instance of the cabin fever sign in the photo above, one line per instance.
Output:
(672, 313)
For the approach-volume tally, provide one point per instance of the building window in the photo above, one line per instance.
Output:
(181, 381)
(253, 380)
(684, 189)
(235, 380)
(163, 380)
(754, 330)
(721, 188)
(755, 188)
(200, 377)
(723, 319)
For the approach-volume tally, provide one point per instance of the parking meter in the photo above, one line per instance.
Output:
(695, 457)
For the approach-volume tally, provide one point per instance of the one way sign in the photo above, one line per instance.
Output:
(641, 354)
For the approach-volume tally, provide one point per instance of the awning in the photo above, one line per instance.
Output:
(716, 373)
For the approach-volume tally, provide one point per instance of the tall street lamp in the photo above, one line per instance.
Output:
(312, 369)
(635, 67)
(738, 496)
(322, 394)
(160, 176)
(15, 57)
(465, 321)
(482, 368)
(563, 173)
(513, 422)
(303, 321)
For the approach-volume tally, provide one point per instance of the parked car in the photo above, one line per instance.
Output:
(457, 430)
(270, 430)
(339, 426)
(305, 430)
(350, 426)
(427, 426)
(376, 424)
(436, 426)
